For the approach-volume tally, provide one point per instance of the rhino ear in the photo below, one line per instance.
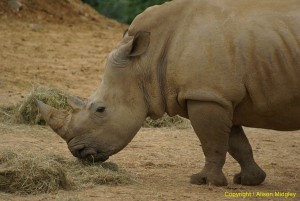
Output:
(140, 43)
(75, 102)
(135, 45)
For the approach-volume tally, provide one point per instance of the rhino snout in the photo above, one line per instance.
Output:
(82, 152)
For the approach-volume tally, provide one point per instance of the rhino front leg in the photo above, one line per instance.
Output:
(212, 124)
(240, 149)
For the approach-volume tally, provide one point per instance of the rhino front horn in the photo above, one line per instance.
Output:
(56, 119)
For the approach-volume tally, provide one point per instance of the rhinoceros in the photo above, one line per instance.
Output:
(223, 64)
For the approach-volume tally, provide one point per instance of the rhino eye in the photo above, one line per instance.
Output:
(100, 109)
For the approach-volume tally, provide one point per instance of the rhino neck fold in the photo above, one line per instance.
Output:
(153, 99)
(153, 83)
(154, 62)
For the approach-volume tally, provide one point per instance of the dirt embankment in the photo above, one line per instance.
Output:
(56, 11)
(59, 43)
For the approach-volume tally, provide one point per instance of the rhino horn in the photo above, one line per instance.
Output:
(56, 119)
(75, 102)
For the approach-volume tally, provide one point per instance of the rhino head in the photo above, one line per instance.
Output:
(108, 120)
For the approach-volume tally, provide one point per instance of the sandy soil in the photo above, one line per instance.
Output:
(163, 159)
(70, 56)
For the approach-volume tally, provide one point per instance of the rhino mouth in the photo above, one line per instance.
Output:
(96, 158)
(88, 153)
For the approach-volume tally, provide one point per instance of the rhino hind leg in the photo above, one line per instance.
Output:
(212, 124)
(240, 149)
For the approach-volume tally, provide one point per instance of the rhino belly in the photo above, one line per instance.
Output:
(283, 117)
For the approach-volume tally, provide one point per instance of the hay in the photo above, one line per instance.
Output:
(167, 121)
(7, 114)
(100, 174)
(28, 112)
(28, 174)
(33, 174)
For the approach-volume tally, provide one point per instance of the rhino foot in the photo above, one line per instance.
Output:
(211, 179)
(250, 177)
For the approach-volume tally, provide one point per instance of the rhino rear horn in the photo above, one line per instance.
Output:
(75, 102)
(56, 119)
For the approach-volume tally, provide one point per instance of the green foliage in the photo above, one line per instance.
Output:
(122, 10)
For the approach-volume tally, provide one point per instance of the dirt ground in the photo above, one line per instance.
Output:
(70, 55)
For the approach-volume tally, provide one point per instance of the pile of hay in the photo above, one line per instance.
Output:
(27, 173)
(167, 121)
(27, 111)
(87, 174)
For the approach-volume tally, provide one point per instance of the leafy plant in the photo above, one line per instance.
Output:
(122, 10)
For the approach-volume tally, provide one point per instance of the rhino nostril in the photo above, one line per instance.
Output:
(77, 150)
(86, 153)
(80, 152)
